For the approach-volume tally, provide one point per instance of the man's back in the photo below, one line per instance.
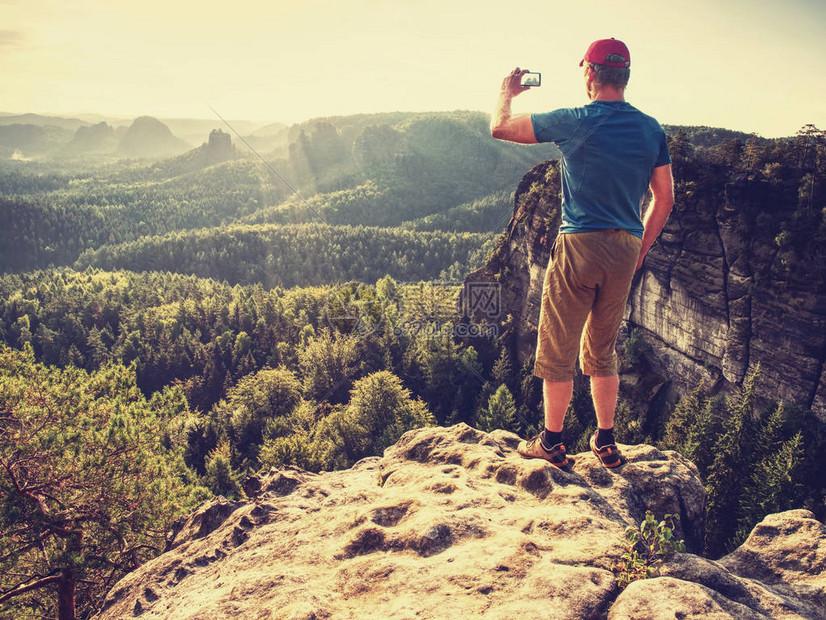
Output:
(610, 150)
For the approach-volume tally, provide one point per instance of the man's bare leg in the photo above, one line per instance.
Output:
(548, 444)
(557, 396)
(604, 394)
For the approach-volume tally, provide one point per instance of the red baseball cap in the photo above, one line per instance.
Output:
(599, 50)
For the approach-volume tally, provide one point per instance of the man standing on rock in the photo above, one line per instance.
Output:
(611, 154)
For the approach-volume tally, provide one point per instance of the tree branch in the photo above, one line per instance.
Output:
(132, 550)
(27, 587)
(26, 547)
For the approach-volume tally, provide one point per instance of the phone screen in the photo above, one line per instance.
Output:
(532, 79)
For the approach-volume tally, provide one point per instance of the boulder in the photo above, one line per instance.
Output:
(452, 522)
(788, 552)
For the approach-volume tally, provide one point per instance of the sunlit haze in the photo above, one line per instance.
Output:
(745, 65)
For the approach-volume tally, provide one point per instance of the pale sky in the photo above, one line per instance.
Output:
(754, 66)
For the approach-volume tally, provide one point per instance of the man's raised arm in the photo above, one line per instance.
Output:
(662, 187)
(504, 126)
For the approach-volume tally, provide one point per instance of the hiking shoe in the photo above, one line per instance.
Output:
(608, 455)
(532, 449)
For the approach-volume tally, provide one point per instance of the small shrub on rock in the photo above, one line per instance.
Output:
(646, 546)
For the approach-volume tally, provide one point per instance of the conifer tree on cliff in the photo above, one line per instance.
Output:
(728, 469)
(90, 478)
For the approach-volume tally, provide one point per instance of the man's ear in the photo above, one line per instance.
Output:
(590, 76)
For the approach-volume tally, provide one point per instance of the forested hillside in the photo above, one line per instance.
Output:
(50, 217)
(297, 254)
(381, 170)
(212, 340)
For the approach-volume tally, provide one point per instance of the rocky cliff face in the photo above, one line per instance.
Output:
(219, 146)
(452, 523)
(715, 296)
(217, 149)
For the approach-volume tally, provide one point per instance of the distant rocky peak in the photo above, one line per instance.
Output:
(219, 139)
(149, 137)
(219, 146)
(93, 138)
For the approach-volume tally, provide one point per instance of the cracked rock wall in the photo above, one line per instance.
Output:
(715, 297)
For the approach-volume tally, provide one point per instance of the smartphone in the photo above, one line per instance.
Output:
(531, 79)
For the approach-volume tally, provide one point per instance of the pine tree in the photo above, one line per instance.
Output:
(90, 480)
(499, 413)
(502, 371)
(729, 467)
(693, 428)
(529, 398)
(772, 486)
(754, 153)
(329, 365)
(629, 425)
(219, 476)
(771, 433)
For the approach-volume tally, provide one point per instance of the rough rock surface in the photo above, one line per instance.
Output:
(713, 296)
(453, 523)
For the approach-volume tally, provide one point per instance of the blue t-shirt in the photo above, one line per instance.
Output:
(609, 152)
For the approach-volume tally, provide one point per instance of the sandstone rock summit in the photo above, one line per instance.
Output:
(453, 523)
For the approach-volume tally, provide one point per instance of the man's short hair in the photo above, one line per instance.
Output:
(611, 76)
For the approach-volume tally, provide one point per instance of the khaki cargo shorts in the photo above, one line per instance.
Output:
(583, 300)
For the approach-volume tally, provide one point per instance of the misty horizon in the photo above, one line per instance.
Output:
(732, 66)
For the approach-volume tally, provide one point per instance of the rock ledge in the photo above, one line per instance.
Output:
(452, 522)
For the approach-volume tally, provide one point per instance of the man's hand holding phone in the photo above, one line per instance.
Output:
(505, 126)
(518, 81)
